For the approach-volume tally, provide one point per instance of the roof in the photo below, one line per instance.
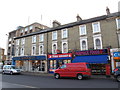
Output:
(103, 17)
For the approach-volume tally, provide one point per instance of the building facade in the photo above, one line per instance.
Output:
(2, 55)
(20, 31)
(59, 44)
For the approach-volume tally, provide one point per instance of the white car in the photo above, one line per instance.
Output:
(11, 69)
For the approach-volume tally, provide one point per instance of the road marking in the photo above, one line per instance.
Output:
(22, 85)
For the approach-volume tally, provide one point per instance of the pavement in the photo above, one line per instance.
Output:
(52, 74)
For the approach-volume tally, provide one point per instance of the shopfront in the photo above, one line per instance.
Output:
(116, 57)
(56, 60)
(98, 59)
(31, 63)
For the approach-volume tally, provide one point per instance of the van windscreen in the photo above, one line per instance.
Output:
(88, 66)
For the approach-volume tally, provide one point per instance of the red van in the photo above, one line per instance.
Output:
(78, 70)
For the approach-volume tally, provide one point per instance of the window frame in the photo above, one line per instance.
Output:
(52, 48)
(99, 29)
(66, 36)
(54, 35)
(41, 36)
(42, 49)
(34, 45)
(81, 40)
(63, 47)
(117, 21)
(80, 30)
(34, 37)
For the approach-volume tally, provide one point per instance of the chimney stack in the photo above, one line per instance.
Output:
(107, 10)
(78, 18)
(56, 23)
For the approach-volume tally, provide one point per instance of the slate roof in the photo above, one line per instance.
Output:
(103, 17)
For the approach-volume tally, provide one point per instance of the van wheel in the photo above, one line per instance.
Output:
(57, 76)
(79, 77)
(3, 72)
(11, 73)
(118, 78)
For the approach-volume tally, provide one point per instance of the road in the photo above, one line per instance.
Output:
(31, 81)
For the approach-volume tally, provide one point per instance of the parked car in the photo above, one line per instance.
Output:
(11, 69)
(116, 73)
(78, 70)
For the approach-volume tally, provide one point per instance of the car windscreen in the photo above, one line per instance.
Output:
(13, 67)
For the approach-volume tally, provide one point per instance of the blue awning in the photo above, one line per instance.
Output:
(91, 59)
(62, 58)
(30, 58)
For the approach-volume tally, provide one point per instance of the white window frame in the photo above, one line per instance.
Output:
(17, 51)
(22, 52)
(55, 43)
(99, 30)
(17, 42)
(31, 27)
(117, 23)
(54, 35)
(65, 36)
(81, 40)
(26, 29)
(34, 39)
(42, 49)
(22, 41)
(80, 30)
(34, 45)
(94, 39)
(63, 48)
(41, 37)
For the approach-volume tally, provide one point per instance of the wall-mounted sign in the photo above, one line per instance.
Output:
(60, 55)
(92, 52)
(116, 55)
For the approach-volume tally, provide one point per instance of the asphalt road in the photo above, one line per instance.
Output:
(30, 81)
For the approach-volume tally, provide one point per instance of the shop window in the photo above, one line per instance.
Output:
(54, 48)
(64, 47)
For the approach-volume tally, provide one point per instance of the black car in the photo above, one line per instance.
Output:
(116, 73)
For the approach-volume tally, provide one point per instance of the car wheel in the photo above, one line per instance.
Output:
(57, 76)
(11, 73)
(118, 78)
(3, 72)
(79, 76)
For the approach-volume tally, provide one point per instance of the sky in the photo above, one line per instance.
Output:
(14, 13)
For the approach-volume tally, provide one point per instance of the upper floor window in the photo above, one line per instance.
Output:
(17, 51)
(17, 42)
(41, 37)
(118, 23)
(22, 31)
(31, 27)
(22, 41)
(41, 49)
(26, 29)
(54, 48)
(33, 49)
(54, 35)
(64, 33)
(97, 42)
(83, 43)
(96, 27)
(34, 39)
(82, 30)
(22, 51)
(64, 47)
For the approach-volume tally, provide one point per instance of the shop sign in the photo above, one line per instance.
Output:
(60, 55)
(116, 55)
(92, 52)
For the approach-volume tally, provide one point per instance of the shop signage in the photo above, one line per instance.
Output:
(60, 55)
(92, 52)
(116, 55)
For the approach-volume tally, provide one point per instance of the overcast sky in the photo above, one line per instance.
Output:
(15, 13)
